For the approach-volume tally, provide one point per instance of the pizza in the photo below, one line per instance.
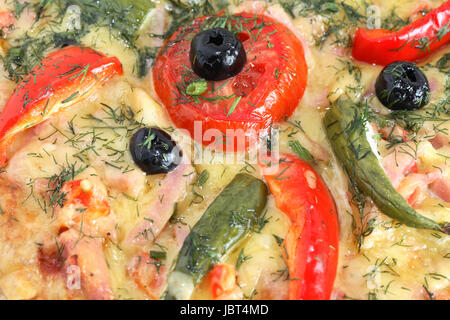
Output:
(225, 150)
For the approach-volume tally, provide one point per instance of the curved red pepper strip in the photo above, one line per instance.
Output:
(62, 79)
(312, 241)
(411, 43)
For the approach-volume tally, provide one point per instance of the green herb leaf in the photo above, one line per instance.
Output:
(302, 152)
(241, 259)
(197, 88)
(202, 178)
(158, 255)
(233, 106)
(443, 63)
(278, 239)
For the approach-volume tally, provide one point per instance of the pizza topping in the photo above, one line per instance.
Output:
(221, 281)
(228, 254)
(6, 22)
(85, 222)
(123, 20)
(154, 151)
(59, 81)
(217, 54)
(158, 212)
(346, 129)
(414, 41)
(149, 273)
(233, 214)
(312, 242)
(266, 91)
(402, 86)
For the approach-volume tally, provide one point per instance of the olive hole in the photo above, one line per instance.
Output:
(217, 40)
(411, 75)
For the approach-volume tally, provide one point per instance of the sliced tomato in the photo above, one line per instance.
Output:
(83, 192)
(312, 241)
(267, 90)
(62, 79)
(221, 279)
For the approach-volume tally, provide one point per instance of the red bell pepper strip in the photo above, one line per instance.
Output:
(312, 241)
(62, 79)
(411, 43)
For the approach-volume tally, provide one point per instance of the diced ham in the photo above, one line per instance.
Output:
(415, 187)
(85, 261)
(414, 197)
(7, 20)
(396, 132)
(85, 220)
(86, 207)
(272, 287)
(440, 140)
(180, 232)
(441, 188)
(401, 168)
(397, 165)
(442, 294)
(157, 215)
(399, 161)
(149, 274)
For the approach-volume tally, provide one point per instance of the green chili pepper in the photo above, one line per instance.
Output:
(346, 128)
(234, 213)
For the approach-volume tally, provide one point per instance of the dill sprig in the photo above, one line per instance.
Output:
(27, 51)
(338, 18)
(123, 18)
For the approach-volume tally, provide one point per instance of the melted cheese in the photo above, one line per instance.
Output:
(390, 263)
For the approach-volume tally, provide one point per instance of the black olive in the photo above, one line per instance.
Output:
(402, 86)
(217, 54)
(154, 151)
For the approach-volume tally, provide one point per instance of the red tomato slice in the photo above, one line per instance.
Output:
(94, 202)
(267, 90)
(222, 279)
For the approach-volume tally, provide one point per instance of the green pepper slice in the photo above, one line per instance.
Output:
(233, 214)
(346, 129)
